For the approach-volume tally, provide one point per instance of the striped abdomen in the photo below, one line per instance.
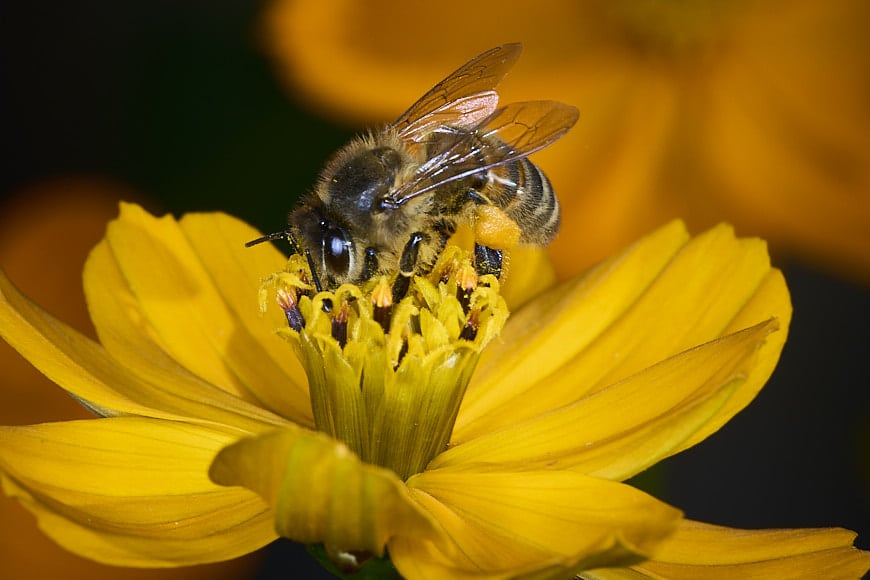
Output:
(524, 193)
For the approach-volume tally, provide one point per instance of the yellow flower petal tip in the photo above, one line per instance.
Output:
(703, 550)
(323, 493)
(403, 416)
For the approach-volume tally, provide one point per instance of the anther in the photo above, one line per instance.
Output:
(287, 301)
(339, 325)
(382, 302)
(469, 331)
(466, 282)
(402, 352)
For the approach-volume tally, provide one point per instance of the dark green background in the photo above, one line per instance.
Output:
(177, 100)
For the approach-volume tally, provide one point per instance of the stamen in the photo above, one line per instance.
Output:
(382, 300)
(446, 272)
(466, 282)
(402, 352)
(287, 301)
(469, 331)
(380, 368)
(339, 325)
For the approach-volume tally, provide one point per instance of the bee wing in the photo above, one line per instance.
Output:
(464, 98)
(464, 112)
(510, 133)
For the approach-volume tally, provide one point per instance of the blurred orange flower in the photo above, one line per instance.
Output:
(757, 113)
(63, 219)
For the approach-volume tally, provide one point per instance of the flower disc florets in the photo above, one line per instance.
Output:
(387, 372)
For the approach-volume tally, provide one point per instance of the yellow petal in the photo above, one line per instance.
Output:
(132, 491)
(661, 297)
(700, 550)
(191, 320)
(218, 240)
(530, 522)
(528, 272)
(772, 291)
(321, 492)
(88, 372)
(61, 353)
(558, 325)
(422, 561)
(622, 430)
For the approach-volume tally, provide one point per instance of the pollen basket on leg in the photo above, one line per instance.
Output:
(387, 377)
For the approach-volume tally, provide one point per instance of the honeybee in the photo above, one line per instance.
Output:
(388, 201)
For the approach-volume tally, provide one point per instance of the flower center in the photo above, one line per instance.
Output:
(387, 373)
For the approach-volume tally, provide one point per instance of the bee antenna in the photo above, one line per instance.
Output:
(294, 246)
(287, 235)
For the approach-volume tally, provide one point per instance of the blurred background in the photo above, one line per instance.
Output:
(756, 113)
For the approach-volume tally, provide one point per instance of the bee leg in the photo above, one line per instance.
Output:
(370, 264)
(487, 260)
(407, 263)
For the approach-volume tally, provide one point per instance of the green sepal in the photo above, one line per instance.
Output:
(373, 568)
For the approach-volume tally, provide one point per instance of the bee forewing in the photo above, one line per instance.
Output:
(510, 133)
(464, 113)
(479, 75)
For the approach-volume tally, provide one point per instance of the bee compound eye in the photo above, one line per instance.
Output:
(337, 256)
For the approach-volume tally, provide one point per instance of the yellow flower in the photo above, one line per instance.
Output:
(206, 448)
(74, 210)
(750, 112)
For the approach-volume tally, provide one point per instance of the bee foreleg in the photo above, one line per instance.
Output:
(407, 265)
(487, 260)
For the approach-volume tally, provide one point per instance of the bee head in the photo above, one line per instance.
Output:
(335, 220)
(334, 253)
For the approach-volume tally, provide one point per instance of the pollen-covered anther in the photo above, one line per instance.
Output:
(286, 299)
(339, 323)
(466, 282)
(382, 303)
